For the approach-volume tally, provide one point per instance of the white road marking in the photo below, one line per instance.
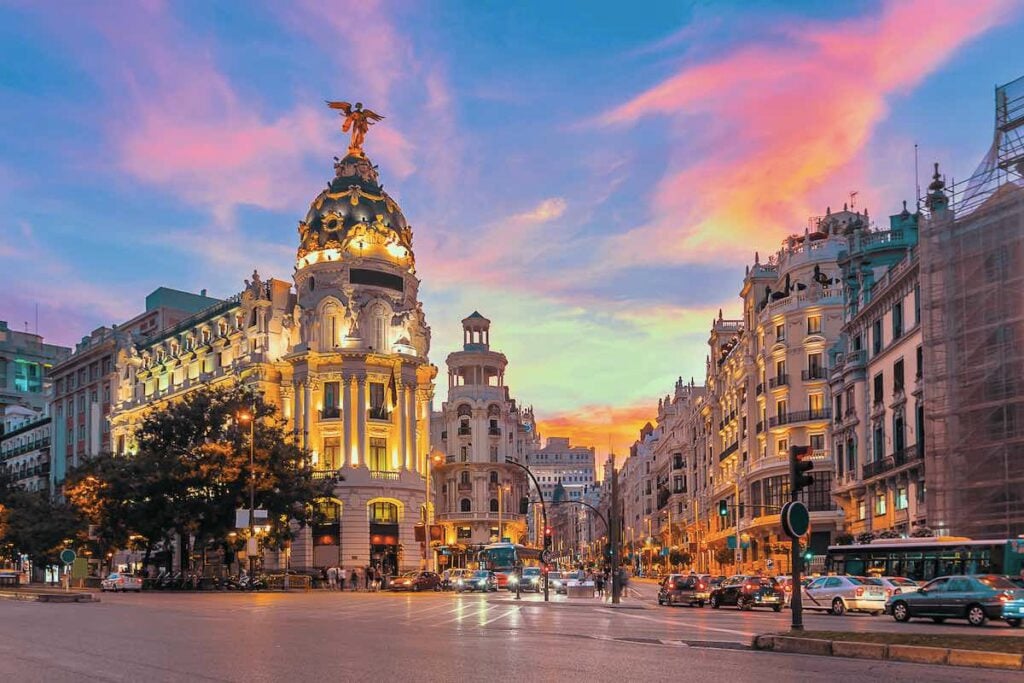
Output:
(511, 611)
(676, 622)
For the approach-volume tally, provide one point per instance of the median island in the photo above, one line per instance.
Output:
(953, 641)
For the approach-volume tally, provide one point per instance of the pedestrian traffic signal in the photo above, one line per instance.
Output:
(723, 508)
(799, 464)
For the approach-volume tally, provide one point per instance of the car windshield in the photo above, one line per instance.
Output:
(997, 582)
(531, 571)
(902, 581)
(554, 575)
(482, 574)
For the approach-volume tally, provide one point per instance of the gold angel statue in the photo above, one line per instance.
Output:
(358, 120)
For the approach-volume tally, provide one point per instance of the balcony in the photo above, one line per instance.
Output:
(319, 475)
(384, 475)
(800, 416)
(778, 381)
(855, 359)
(873, 469)
(728, 451)
(907, 455)
(813, 374)
(465, 431)
(465, 486)
(330, 413)
(380, 414)
(494, 431)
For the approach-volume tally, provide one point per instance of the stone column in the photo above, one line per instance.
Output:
(307, 408)
(360, 408)
(405, 461)
(348, 454)
(412, 411)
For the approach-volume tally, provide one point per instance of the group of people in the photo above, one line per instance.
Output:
(358, 578)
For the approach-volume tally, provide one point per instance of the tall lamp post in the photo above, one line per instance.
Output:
(250, 418)
(543, 511)
(428, 511)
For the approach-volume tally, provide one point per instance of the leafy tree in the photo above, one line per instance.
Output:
(37, 526)
(922, 532)
(191, 472)
(866, 537)
(679, 557)
(725, 556)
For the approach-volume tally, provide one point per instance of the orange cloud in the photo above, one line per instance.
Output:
(597, 425)
(779, 123)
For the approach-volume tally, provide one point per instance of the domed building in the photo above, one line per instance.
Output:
(344, 356)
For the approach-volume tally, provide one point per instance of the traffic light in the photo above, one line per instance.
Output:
(524, 505)
(799, 464)
(723, 508)
(548, 532)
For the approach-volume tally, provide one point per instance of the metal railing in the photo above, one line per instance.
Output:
(814, 373)
(778, 381)
(729, 451)
(379, 414)
(330, 413)
(800, 416)
(386, 475)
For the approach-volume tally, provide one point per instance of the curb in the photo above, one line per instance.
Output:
(894, 653)
(49, 597)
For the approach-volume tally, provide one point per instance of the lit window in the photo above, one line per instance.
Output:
(879, 503)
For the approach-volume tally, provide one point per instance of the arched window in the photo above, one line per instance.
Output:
(379, 328)
(464, 477)
(494, 504)
(494, 477)
(329, 318)
(464, 505)
(384, 513)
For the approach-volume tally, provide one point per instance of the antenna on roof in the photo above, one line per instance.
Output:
(917, 181)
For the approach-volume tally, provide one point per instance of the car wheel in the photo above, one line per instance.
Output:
(660, 601)
(700, 604)
(838, 607)
(416, 588)
(1013, 623)
(437, 588)
(939, 620)
(744, 605)
(900, 612)
(777, 608)
(976, 615)
(714, 602)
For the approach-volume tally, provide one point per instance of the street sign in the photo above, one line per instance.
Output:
(795, 519)
(769, 563)
(545, 556)
(67, 556)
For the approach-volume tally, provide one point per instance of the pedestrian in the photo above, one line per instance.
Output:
(355, 578)
(342, 576)
(368, 575)
(599, 584)
(332, 578)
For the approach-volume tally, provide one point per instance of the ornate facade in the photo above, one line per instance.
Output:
(477, 429)
(342, 353)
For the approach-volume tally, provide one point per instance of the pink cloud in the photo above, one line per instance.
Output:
(781, 124)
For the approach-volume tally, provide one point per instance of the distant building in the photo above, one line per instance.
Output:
(25, 368)
(84, 383)
(25, 448)
(478, 427)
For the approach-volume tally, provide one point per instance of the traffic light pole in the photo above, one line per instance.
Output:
(798, 480)
(796, 604)
(613, 535)
(543, 512)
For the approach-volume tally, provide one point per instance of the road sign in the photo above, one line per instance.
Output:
(769, 563)
(795, 519)
(67, 556)
(545, 556)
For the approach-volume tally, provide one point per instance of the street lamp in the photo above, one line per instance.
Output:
(249, 417)
(428, 509)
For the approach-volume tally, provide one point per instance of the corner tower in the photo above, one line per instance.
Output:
(362, 384)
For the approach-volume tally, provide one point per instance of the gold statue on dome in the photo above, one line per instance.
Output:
(358, 120)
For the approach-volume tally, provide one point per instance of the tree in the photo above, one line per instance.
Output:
(889, 533)
(37, 526)
(191, 472)
(679, 557)
(725, 556)
(865, 537)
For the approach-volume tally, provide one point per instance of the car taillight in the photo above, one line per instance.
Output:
(701, 586)
(888, 592)
(750, 586)
(859, 592)
(1004, 597)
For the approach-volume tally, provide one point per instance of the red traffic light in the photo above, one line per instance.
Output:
(548, 531)
(800, 463)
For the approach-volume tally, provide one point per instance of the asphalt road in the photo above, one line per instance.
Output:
(323, 636)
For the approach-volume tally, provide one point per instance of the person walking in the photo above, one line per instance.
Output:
(367, 575)
(332, 578)
(342, 576)
(355, 578)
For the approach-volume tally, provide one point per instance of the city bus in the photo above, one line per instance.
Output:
(923, 559)
(503, 558)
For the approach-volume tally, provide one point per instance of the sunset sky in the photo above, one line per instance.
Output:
(591, 176)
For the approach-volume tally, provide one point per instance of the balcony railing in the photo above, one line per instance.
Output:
(814, 373)
(379, 414)
(800, 416)
(855, 358)
(465, 431)
(330, 413)
(907, 455)
(494, 431)
(325, 474)
(873, 469)
(729, 451)
(384, 475)
(778, 381)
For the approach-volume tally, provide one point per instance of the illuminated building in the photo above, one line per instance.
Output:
(341, 350)
(478, 427)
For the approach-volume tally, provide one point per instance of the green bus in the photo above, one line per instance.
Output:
(923, 559)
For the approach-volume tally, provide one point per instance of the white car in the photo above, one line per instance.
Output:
(119, 582)
(841, 594)
(895, 585)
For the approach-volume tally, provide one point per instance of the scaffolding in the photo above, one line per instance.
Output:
(972, 286)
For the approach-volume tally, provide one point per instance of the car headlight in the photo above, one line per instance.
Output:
(408, 583)
(513, 579)
(533, 580)
(458, 582)
(482, 582)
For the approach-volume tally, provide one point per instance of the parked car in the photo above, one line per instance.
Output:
(482, 580)
(120, 582)
(746, 592)
(682, 589)
(416, 581)
(894, 585)
(976, 598)
(715, 581)
(457, 578)
(841, 594)
(1018, 581)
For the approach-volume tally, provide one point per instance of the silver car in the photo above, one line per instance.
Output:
(895, 585)
(841, 594)
(120, 582)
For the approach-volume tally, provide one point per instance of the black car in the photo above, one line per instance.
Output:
(680, 589)
(748, 592)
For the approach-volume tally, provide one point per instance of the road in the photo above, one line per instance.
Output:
(323, 636)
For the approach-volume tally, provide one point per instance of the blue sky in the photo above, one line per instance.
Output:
(591, 178)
